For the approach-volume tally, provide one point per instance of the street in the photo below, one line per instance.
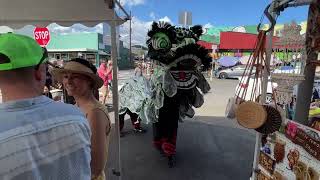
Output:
(209, 146)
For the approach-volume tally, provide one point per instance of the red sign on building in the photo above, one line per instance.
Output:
(42, 36)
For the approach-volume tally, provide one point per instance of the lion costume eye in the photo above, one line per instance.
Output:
(161, 41)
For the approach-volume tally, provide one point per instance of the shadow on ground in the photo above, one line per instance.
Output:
(207, 149)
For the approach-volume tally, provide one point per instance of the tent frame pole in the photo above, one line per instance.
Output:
(265, 80)
(115, 96)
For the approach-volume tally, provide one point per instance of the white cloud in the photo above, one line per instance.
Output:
(152, 15)
(239, 29)
(207, 26)
(166, 19)
(132, 2)
(77, 28)
(139, 30)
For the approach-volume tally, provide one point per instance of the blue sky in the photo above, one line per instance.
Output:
(208, 13)
(215, 12)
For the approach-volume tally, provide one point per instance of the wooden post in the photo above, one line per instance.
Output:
(312, 47)
(115, 97)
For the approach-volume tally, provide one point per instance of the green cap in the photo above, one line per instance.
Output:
(20, 51)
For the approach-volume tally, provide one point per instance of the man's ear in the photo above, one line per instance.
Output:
(38, 73)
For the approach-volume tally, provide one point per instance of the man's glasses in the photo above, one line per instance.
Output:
(44, 57)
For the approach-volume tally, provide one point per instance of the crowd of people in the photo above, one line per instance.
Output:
(39, 137)
(53, 137)
(66, 136)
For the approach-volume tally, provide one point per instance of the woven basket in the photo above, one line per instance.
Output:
(273, 121)
(251, 115)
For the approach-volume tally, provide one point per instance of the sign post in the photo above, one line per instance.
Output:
(42, 36)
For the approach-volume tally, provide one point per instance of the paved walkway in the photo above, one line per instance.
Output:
(209, 146)
(204, 152)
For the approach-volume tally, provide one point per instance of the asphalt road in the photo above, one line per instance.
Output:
(209, 146)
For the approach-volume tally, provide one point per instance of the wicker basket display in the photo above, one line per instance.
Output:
(251, 115)
(273, 121)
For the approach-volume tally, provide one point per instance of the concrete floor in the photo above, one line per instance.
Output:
(209, 146)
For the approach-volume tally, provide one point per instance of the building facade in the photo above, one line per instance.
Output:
(85, 45)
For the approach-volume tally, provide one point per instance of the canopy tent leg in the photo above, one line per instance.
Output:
(265, 80)
(115, 98)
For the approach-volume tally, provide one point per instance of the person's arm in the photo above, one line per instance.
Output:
(100, 127)
(108, 71)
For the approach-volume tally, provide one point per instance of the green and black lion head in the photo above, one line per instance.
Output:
(169, 44)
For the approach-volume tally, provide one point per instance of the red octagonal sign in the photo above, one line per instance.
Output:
(42, 36)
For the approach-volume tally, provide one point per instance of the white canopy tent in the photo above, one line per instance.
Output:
(41, 13)
(17, 13)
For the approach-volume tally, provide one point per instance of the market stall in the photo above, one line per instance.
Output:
(284, 149)
(293, 151)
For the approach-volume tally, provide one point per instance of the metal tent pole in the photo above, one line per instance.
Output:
(115, 97)
(265, 81)
(130, 40)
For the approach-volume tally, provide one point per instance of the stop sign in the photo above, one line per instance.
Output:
(42, 36)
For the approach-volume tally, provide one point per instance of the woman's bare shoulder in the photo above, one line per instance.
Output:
(99, 115)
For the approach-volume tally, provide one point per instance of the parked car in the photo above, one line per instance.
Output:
(232, 72)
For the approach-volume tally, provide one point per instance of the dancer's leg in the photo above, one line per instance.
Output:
(157, 136)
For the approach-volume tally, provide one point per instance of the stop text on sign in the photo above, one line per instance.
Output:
(41, 35)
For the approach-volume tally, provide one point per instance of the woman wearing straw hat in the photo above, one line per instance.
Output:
(80, 80)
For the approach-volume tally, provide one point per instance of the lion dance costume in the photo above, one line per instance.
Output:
(177, 84)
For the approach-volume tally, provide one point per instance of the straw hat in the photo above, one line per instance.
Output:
(251, 115)
(74, 66)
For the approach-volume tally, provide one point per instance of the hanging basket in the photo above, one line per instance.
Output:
(251, 115)
(273, 121)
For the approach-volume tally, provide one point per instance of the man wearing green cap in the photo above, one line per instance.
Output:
(39, 138)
